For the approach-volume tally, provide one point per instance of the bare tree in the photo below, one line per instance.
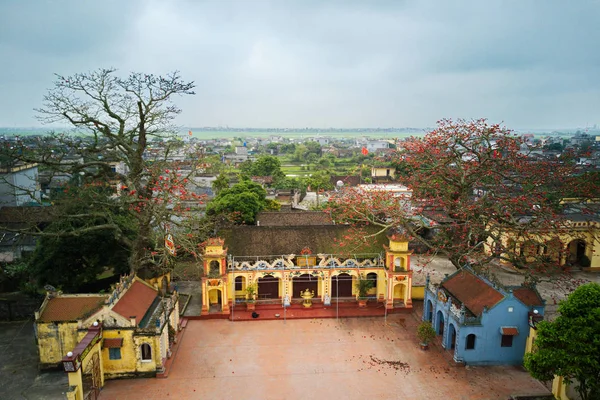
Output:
(115, 122)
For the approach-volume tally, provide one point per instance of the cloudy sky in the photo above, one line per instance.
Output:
(318, 63)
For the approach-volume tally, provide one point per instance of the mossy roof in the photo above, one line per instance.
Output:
(276, 240)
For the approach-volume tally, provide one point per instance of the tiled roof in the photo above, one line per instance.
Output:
(528, 296)
(112, 343)
(294, 218)
(71, 308)
(509, 330)
(472, 291)
(136, 301)
(249, 240)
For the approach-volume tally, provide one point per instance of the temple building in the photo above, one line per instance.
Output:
(480, 322)
(126, 333)
(292, 253)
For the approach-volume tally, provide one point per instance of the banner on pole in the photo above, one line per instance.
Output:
(170, 244)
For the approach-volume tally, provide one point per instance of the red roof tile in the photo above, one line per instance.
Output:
(472, 291)
(136, 301)
(71, 308)
(509, 330)
(528, 296)
(112, 343)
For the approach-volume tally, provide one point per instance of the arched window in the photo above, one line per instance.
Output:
(146, 352)
(239, 283)
(470, 342)
(399, 264)
(372, 276)
(215, 269)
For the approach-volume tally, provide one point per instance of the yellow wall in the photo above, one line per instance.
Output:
(128, 361)
(591, 236)
(75, 378)
(418, 292)
(56, 340)
(377, 172)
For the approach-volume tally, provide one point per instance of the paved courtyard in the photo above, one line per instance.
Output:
(353, 358)
(19, 375)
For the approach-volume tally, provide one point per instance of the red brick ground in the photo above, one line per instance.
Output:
(352, 358)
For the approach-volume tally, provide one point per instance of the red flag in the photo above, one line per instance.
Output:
(365, 151)
(189, 133)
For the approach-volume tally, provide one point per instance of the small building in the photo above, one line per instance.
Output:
(478, 321)
(383, 174)
(137, 327)
(19, 186)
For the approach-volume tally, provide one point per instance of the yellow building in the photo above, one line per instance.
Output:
(137, 327)
(280, 278)
(577, 243)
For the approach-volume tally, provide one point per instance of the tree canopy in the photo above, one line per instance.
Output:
(469, 183)
(67, 262)
(241, 202)
(569, 346)
(263, 166)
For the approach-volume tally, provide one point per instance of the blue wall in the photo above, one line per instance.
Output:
(488, 349)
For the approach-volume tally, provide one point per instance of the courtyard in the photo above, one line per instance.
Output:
(349, 358)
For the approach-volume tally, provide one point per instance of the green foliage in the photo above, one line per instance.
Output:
(241, 202)
(267, 166)
(569, 346)
(251, 291)
(425, 332)
(300, 153)
(221, 183)
(318, 181)
(363, 285)
(555, 147)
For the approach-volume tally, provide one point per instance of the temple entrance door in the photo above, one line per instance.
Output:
(303, 282)
(341, 286)
(91, 379)
(214, 300)
(576, 251)
(451, 337)
(268, 288)
(440, 323)
(429, 311)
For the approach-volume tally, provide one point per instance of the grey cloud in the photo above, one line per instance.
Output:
(321, 63)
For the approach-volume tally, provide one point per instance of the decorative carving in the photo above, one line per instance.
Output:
(287, 262)
(432, 287)
(442, 296)
(455, 311)
(214, 282)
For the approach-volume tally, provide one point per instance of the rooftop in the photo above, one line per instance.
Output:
(472, 291)
(71, 307)
(136, 302)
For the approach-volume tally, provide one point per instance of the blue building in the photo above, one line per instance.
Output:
(482, 323)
